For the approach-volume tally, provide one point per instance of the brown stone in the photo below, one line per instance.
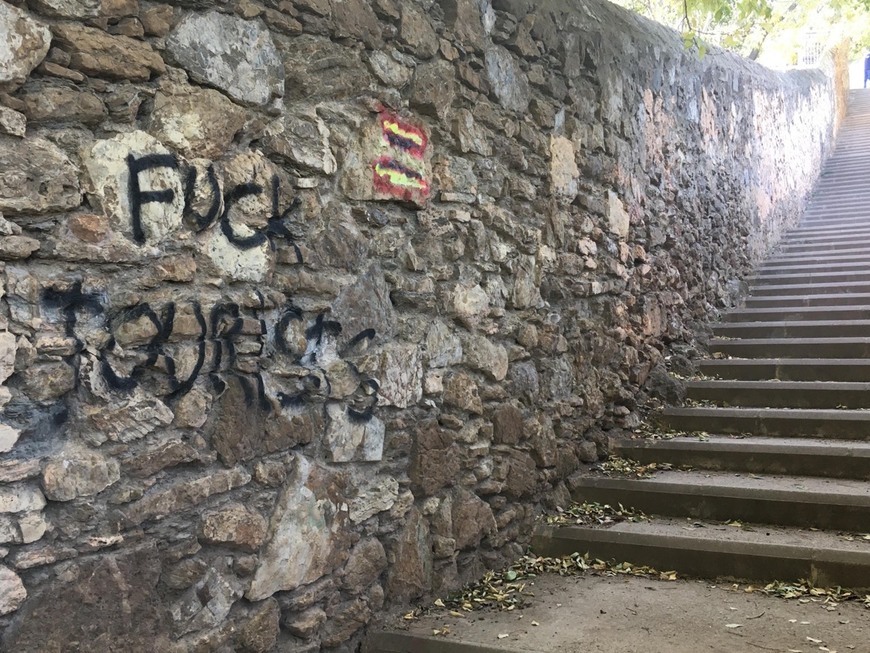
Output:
(238, 430)
(234, 525)
(356, 19)
(110, 603)
(260, 632)
(306, 623)
(78, 472)
(434, 459)
(472, 519)
(522, 475)
(366, 562)
(50, 103)
(460, 391)
(114, 57)
(507, 425)
(89, 227)
(433, 88)
(465, 19)
(48, 381)
(157, 20)
(417, 33)
(410, 574)
(344, 620)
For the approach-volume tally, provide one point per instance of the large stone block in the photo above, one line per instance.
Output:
(36, 177)
(24, 44)
(230, 53)
(110, 603)
(104, 55)
(307, 533)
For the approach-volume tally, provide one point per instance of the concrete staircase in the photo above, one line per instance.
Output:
(783, 416)
(781, 451)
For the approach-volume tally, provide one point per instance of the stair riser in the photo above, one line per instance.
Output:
(753, 462)
(797, 315)
(797, 301)
(776, 398)
(757, 509)
(772, 349)
(801, 261)
(750, 372)
(780, 279)
(769, 426)
(748, 330)
(836, 289)
(390, 642)
(739, 563)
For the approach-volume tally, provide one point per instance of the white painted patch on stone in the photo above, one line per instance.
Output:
(618, 220)
(109, 178)
(350, 440)
(234, 263)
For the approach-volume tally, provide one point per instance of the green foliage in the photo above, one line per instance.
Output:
(749, 26)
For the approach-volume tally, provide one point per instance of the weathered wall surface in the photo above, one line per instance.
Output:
(310, 305)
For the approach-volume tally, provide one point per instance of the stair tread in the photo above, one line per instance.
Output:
(767, 487)
(597, 613)
(769, 540)
(774, 384)
(772, 444)
(834, 415)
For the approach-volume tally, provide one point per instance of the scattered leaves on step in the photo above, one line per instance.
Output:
(734, 625)
(591, 513)
(626, 467)
(508, 589)
(806, 592)
(503, 635)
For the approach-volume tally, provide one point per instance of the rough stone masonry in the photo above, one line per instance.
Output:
(310, 306)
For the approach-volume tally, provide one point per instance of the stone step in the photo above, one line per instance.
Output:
(848, 239)
(794, 329)
(851, 370)
(806, 457)
(781, 394)
(832, 248)
(798, 313)
(852, 347)
(772, 278)
(782, 301)
(822, 230)
(799, 501)
(809, 259)
(763, 555)
(598, 612)
(784, 422)
(820, 288)
(794, 267)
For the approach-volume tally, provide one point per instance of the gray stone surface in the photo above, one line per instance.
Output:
(25, 43)
(38, 177)
(237, 56)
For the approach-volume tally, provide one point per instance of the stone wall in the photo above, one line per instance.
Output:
(310, 306)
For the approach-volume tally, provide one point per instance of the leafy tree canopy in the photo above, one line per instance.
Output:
(771, 29)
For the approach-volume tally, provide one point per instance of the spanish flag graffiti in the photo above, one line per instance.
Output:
(401, 173)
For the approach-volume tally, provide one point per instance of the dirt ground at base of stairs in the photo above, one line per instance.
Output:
(592, 614)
